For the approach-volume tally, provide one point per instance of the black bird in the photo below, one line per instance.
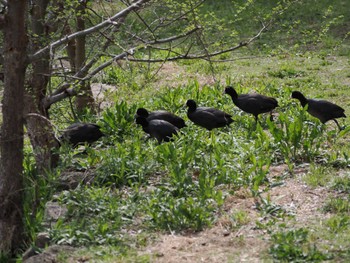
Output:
(159, 129)
(321, 109)
(81, 132)
(161, 115)
(209, 118)
(252, 103)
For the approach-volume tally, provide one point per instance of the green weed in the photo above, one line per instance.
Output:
(296, 138)
(268, 208)
(293, 246)
(95, 216)
(342, 184)
(238, 219)
(337, 223)
(337, 205)
(177, 214)
(38, 191)
(319, 176)
(286, 72)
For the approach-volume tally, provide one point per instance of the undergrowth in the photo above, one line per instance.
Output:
(139, 187)
(176, 186)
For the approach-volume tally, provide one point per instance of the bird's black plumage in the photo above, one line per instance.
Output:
(161, 115)
(321, 109)
(159, 129)
(81, 132)
(252, 103)
(209, 118)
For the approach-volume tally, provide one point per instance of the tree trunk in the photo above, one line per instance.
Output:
(84, 98)
(11, 183)
(39, 128)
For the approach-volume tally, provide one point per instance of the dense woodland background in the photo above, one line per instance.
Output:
(268, 191)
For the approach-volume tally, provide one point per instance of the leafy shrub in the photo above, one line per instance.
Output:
(118, 122)
(296, 138)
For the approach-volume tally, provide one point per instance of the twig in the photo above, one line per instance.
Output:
(83, 75)
(88, 31)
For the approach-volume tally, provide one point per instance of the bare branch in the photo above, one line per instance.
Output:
(65, 91)
(64, 94)
(69, 89)
(136, 5)
(145, 23)
(191, 56)
(205, 56)
(83, 71)
(180, 17)
(173, 38)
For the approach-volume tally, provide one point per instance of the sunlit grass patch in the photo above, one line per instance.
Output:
(294, 246)
(337, 205)
(342, 183)
(319, 176)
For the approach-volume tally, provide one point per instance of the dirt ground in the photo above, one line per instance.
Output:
(247, 243)
(224, 242)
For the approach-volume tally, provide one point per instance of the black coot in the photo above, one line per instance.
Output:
(252, 103)
(78, 133)
(161, 115)
(159, 129)
(209, 118)
(321, 109)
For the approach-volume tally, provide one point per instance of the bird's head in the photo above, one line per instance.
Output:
(231, 91)
(142, 112)
(191, 104)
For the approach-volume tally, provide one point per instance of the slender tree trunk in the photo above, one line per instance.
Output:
(39, 128)
(11, 183)
(84, 98)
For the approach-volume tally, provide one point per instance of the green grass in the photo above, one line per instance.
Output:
(319, 176)
(140, 189)
(337, 205)
(176, 186)
(293, 246)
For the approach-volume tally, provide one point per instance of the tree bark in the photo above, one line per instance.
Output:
(84, 98)
(39, 128)
(11, 183)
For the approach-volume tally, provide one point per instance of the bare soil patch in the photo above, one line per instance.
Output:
(248, 243)
(172, 75)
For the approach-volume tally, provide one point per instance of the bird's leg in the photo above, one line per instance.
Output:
(256, 121)
(340, 128)
(212, 141)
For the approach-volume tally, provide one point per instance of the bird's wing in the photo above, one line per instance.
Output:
(256, 102)
(214, 112)
(323, 109)
(161, 129)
